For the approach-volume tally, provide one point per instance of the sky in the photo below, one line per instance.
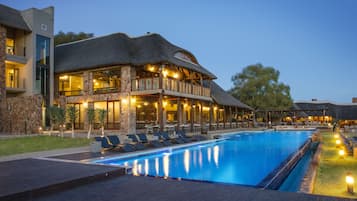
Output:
(313, 43)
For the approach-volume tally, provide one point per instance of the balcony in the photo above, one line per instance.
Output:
(170, 87)
(71, 93)
(16, 86)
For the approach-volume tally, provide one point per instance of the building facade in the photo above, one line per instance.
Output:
(26, 68)
(144, 83)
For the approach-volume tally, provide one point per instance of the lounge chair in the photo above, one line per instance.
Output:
(115, 141)
(166, 141)
(138, 145)
(144, 139)
(165, 136)
(182, 135)
(105, 143)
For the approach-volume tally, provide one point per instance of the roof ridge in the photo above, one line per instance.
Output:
(93, 38)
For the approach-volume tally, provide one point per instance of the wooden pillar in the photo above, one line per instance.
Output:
(201, 116)
(224, 116)
(210, 115)
(230, 116)
(191, 115)
(236, 117)
(161, 112)
(179, 113)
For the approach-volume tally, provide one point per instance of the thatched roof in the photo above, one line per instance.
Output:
(12, 18)
(221, 97)
(120, 49)
(336, 110)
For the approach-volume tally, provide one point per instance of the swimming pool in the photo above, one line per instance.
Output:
(243, 158)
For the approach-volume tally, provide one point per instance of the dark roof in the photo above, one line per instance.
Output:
(221, 97)
(119, 49)
(337, 111)
(12, 18)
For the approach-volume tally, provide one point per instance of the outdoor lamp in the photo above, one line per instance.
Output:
(349, 181)
(341, 152)
(335, 136)
(338, 143)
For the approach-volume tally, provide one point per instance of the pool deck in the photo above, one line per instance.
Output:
(60, 176)
(126, 188)
(27, 178)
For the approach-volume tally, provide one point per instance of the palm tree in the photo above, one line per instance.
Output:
(90, 118)
(101, 117)
(72, 115)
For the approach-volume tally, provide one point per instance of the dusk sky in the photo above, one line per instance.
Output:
(313, 43)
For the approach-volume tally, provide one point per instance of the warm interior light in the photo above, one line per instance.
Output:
(335, 136)
(124, 101)
(85, 104)
(133, 100)
(64, 77)
(176, 75)
(138, 106)
(338, 142)
(146, 103)
(350, 179)
(164, 73)
(164, 103)
(341, 152)
(215, 108)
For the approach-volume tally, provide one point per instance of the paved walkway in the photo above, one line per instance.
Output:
(51, 153)
(27, 178)
(127, 188)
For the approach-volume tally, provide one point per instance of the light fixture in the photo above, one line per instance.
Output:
(341, 152)
(64, 77)
(133, 100)
(349, 181)
(146, 103)
(85, 104)
(335, 136)
(176, 75)
(164, 73)
(338, 142)
(124, 101)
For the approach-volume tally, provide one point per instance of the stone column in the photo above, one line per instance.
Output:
(2, 63)
(128, 108)
(2, 78)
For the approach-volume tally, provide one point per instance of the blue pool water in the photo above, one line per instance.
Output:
(243, 158)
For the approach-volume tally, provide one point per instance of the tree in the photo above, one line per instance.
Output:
(101, 117)
(72, 115)
(62, 37)
(259, 87)
(52, 115)
(90, 119)
(61, 117)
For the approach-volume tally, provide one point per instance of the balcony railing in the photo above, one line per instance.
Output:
(171, 85)
(16, 85)
(71, 93)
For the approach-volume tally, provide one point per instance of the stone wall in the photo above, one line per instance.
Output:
(23, 115)
(2, 63)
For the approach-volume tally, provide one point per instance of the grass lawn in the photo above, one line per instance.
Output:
(332, 170)
(38, 143)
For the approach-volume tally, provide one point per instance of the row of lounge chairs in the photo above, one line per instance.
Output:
(141, 141)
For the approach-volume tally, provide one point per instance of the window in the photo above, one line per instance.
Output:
(42, 83)
(112, 120)
(12, 77)
(10, 46)
(185, 57)
(106, 81)
(10, 41)
(70, 85)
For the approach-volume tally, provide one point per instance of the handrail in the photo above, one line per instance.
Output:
(144, 84)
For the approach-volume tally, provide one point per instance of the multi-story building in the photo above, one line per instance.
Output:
(142, 82)
(26, 67)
